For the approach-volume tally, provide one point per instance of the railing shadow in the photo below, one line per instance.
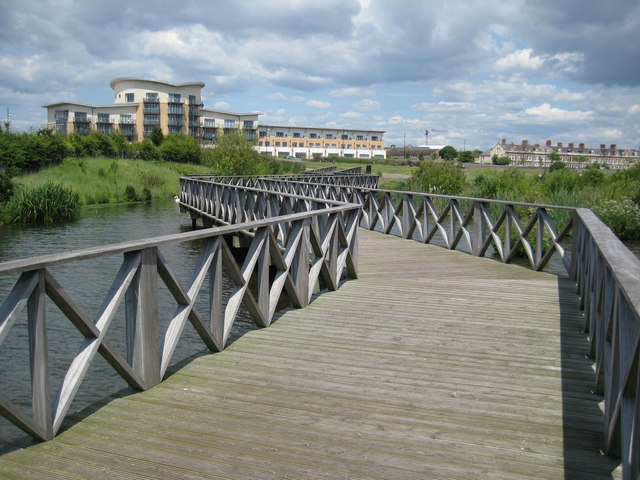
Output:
(583, 441)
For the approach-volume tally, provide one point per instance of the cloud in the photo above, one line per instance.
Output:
(351, 92)
(224, 106)
(547, 113)
(520, 59)
(367, 105)
(318, 104)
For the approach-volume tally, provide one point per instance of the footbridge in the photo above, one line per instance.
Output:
(410, 336)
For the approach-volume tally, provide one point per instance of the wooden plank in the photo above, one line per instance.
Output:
(458, 368)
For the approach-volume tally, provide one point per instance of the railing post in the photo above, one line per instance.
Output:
(143, 348)
(300, 266)
(479, 228)
(41, 395)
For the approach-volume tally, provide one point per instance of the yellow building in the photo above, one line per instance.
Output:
(141, 104)
(320, 142)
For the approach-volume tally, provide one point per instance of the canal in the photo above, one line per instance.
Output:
(87, 282)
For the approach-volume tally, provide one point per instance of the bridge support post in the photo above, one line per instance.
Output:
(479, 228)
(143, 349)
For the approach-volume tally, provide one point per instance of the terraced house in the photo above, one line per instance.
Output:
(320, 142)
(574, 155)
(141, 104)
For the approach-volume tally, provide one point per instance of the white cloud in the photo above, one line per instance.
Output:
(225, 106)
(318, 104)
(367, 105)
(351, 92)
(520, 59)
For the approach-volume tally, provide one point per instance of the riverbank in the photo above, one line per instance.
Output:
(103, 180)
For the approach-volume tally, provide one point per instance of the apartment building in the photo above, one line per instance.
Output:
(141, 104)
(319, 142)
(574, 155)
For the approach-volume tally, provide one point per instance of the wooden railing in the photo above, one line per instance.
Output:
(608, 279)
(606, 272)
(308, 243)
(507, 230)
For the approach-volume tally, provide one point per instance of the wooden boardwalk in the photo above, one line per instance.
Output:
(433, 364)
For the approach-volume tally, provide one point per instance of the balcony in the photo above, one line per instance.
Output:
(153, 109)
(176, 123)
(127, 121)
(149, 121)
(151, 99)
(175, 100)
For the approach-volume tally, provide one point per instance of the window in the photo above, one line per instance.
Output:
(175, 109)
(81, 116)
(267, 143)
(294, 144)
(151, 97)
(152, 119)
(248, 124)
(103, 118)
(175, 98)
(345, 137)
(296, 134)
(277, 144)
(333, 145)
(192, 100)
(329, 136)
(229, 124)
(106, 129)
(126, 119)
(359, 137)
(373, 137)
(284, 144)
(317, 145)
(174, 129)
(209, 123)
(128, 97)
(263, 134)
(279, 134)
(313, 135)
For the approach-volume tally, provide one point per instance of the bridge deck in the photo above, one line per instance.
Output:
(434, 364)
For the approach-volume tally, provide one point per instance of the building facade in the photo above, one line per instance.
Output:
(315, 142)
(573, 155)
(141, 104)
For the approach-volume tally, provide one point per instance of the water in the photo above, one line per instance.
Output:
(88, 282)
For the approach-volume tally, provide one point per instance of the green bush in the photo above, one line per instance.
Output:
(145, 150)
(46, 203)
(130, 194)
(233, 155)
(623, 217)
(180, 148)
(439, 178)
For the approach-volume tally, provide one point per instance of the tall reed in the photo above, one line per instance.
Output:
(46, 203)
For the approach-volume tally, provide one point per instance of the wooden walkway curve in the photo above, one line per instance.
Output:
(433, 364)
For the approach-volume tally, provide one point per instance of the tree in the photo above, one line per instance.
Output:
(157, 137)
(465, 157)
(557, 165)
(440, 178)
(496, 160)
(448, 153)
(233, 155)
(179, 147)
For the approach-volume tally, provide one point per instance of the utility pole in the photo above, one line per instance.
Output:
(7, 123)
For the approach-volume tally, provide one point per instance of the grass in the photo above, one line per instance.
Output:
(111, 180)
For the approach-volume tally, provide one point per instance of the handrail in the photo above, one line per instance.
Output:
(476, 225)
(606, 272)
(307, 242)
(607, 275)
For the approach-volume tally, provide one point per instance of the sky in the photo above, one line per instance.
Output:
(470, 72)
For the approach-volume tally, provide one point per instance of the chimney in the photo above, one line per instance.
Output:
(571, 145)
(613, 146)
(582, 146)
(504, 141)
(525, 143)
(602, 146)
(559, 144)
(548, 143)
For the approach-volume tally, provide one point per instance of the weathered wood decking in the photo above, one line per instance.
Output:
(433, 364)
